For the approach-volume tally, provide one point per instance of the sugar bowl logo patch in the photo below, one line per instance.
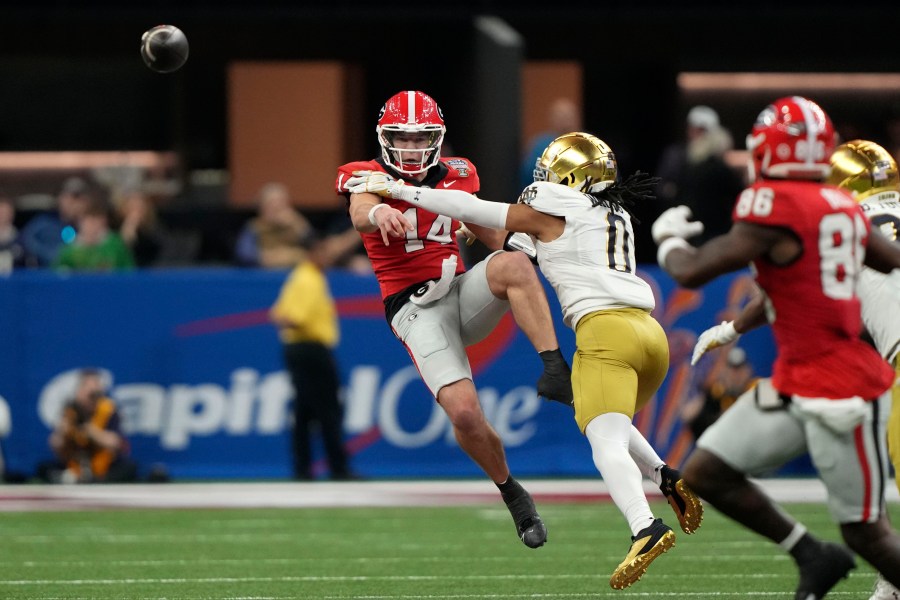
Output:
(460, 166)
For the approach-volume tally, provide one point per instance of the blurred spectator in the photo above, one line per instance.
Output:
(339, 249)
(306, 318)
(720, 391)
(140, 227)
(96, 247)
(12, 251)
(276, 238)
(694, 173)
(88, 440)
(46, 233)
(563, 116)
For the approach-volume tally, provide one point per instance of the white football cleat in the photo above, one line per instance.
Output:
(884, 590)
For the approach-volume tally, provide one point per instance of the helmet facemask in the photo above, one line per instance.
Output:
(404, 158)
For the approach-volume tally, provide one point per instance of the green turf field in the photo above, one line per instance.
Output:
(430, 553)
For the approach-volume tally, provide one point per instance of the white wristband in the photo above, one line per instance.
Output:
(667, 246)
(372, 212)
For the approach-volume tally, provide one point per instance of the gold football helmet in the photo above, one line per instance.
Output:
(864, 168)
(578, 160)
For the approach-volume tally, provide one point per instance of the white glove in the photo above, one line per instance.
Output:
(721, 334)
(436, 289)
(374, 182)
(673, 222)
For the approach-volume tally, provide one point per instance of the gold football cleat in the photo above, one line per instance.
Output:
(646, 546)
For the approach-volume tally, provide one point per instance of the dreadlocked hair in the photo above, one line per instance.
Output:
(624, 194)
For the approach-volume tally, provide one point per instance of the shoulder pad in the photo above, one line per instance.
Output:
(461, 167)
(552, 198)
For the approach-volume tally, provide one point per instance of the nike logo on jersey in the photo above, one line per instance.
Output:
(447, 184)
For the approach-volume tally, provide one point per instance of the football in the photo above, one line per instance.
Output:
(164, 48)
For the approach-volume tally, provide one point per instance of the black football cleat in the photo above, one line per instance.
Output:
(682, 499)
(832, 563)
(529, 525)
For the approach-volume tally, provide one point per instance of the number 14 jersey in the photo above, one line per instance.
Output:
(812, 302)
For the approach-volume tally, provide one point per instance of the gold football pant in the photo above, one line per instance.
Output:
(621, 359)
(893, 428)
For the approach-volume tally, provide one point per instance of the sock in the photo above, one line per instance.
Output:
(608, 435)
(656, 475)
(509, 489)
(800, 544)
(646, 458)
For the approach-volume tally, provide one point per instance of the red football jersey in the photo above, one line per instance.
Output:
(418, 258)
(812, 302)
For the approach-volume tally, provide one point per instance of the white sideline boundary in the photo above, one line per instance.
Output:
(38, 497)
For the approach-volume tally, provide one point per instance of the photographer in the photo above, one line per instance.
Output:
(88, 440)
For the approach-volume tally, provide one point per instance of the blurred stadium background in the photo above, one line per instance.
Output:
(288, 91)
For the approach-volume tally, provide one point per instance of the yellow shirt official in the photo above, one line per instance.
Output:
(305, 310)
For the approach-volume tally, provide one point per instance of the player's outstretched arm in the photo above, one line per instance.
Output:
(753, 315)
(455, 203)
(692, 267)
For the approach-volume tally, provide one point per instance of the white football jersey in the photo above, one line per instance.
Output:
(880, 304)
(591, 265)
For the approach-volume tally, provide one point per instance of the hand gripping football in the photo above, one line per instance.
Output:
(164, 48)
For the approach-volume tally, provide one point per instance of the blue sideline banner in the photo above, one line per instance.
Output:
(196, 369)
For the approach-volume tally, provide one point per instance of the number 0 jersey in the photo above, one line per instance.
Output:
(812, 302)
(591, 265)
(880, 303)
(418, 258)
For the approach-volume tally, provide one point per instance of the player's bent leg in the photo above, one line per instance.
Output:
(472, 431)
(825, 567)
(609, 436)
(512, 277)
(479, 440)
(878, 544)
(734, 495)
(684, 502)
(851, 463)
